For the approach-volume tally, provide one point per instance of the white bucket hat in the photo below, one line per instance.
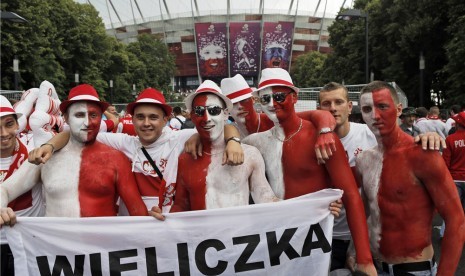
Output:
(6, 108)
(208, 87)
(275, 77)
(236, 88)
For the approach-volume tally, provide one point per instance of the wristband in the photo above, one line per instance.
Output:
(325, 130)
(53, 147)
(233, 139)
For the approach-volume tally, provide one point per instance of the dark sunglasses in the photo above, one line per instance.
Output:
(213, 110)
(277, 97)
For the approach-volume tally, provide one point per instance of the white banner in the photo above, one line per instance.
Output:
(291, 237)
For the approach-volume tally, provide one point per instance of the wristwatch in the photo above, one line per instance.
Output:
(234, 139)
(325, 130)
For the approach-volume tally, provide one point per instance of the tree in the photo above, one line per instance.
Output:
(308, 69)
(158, 62)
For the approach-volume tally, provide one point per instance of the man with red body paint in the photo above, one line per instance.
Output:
(402, 191)
(291, 163)
(249, 121)
(201, 183)
(87, 185)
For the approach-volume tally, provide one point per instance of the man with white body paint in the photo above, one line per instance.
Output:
(248, 121)
(355, 138)
(402, 192)
(164, 145)
(86, 185)
(206, 184)
(291, 163)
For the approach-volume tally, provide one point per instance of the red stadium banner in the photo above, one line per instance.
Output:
(277, 44)
(212, 49)
(244, 47)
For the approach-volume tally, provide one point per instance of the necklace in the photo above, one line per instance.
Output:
(258, 128)
(292, 135)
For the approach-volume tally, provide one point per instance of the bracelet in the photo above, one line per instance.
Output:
(53, 147)
(326, 130)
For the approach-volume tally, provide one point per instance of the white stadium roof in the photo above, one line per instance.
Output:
(117, 13)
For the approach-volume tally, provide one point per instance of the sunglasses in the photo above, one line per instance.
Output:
(277, 97)
(213, 110)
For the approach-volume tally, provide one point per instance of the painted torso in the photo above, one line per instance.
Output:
(291, 166)
(389, 182)
(87, 184)
(206, 184)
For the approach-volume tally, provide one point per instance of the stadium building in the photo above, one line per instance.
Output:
(213, 39)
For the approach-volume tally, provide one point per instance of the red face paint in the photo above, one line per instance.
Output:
(379, 111)
(210, 126)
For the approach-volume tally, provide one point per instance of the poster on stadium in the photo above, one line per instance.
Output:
(212, 49)
(277, 44)
(261, 239)
(244, 48)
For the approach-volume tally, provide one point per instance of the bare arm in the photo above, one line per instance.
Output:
(442, 190)
(127, 186)
(260, 189)
(20, 182)
(233, 154)
(322, 120)
(112, 118)
(342, 178)
(43, 153)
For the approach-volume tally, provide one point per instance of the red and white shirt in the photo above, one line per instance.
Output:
(164, 152)
(29, 204)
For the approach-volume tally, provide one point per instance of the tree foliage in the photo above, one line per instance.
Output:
(307, 69)
(399, 32)
(63, 38)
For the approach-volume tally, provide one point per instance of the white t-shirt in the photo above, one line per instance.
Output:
(449, 124)
(175, 123)
(164, 153)
(358, 139)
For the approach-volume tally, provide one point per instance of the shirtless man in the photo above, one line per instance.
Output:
(291, 163)
(402, 192)
(249, 121)
(149, 115)
(201, 182)
(78, 181)
(355, 137)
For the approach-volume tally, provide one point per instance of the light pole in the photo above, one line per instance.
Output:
(76, 78)
(16, 71)
(422, 69)
(353, 14)
(111, 91)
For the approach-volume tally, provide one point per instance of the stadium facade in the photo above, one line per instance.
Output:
(213, 39)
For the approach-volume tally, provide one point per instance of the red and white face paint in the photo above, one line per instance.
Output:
(84, 120)
(268, 108)
(379, 112)
(209, 126)
(242, 110)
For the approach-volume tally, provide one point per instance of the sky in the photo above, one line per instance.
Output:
(130, 10)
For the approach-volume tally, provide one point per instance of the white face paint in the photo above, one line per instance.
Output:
(209, 125)
(269, 109)
(368, 112)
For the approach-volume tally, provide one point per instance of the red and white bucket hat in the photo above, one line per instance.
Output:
(275, 77)
(6, 108)
(83, 92)
(208, 87)
(236, 88)
(150, 96)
